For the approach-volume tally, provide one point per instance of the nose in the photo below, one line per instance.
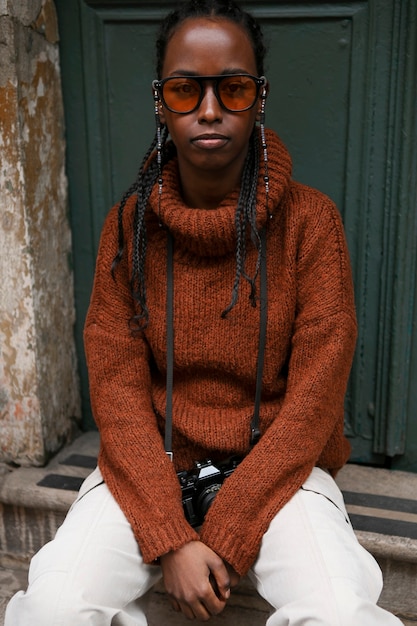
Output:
(209, 110)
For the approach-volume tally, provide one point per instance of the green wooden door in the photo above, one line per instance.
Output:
(343, 93)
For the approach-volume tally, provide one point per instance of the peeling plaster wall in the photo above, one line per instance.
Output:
(39, 396)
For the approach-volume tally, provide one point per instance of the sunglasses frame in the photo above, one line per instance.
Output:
(158, 85)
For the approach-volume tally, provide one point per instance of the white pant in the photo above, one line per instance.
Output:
(310, 567)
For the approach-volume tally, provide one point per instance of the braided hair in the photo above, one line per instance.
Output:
(149, 171)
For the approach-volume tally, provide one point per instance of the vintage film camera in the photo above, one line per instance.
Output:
(200, 486)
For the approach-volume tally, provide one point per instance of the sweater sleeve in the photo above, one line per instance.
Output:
(308, 429)
(132, 457)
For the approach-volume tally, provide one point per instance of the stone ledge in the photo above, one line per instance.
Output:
(31, 513)
(19, 487)
(388, 546)
(391, 485)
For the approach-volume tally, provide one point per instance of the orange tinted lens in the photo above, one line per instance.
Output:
(181, 94)
(237, 92)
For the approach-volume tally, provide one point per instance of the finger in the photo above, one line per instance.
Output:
(212, 600)
(195, 611)
(222, 595)
(175, 605)
(214, 606)
(220, 580)
(205, 604)
(187, 610)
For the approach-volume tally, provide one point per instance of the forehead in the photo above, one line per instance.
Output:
(209, 46)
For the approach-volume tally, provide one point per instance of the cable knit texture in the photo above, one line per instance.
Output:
(311, 335)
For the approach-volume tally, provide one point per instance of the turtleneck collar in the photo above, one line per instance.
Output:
(212, 232)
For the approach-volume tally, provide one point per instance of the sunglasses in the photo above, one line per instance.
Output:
(234, 92)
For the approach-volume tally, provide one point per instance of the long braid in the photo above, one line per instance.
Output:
(250, 208)
(147, 177)
(134, 188)
(245, 218)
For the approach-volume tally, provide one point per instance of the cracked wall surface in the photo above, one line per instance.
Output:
(39, 395)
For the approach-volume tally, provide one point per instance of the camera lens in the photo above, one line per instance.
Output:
(206, 497)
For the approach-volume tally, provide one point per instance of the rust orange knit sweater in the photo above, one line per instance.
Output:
(310, 343)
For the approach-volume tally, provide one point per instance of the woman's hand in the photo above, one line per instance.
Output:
(197, 580)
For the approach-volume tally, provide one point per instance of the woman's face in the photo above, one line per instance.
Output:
(210, 139)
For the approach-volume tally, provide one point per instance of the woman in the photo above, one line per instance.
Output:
(260, 348)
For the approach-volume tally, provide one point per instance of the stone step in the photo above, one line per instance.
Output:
(382, 505)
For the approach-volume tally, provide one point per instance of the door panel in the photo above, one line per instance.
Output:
(337, 72)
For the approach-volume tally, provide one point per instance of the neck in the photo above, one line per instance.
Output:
(206, 189)
(205, 194)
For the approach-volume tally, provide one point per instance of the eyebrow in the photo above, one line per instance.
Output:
(225, 72)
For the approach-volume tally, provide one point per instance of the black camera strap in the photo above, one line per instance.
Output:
(255, 430)
(170, 344)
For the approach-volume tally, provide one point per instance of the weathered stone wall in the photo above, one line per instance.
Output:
(39, 397)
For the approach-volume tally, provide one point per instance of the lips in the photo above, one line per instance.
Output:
(210, 141)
